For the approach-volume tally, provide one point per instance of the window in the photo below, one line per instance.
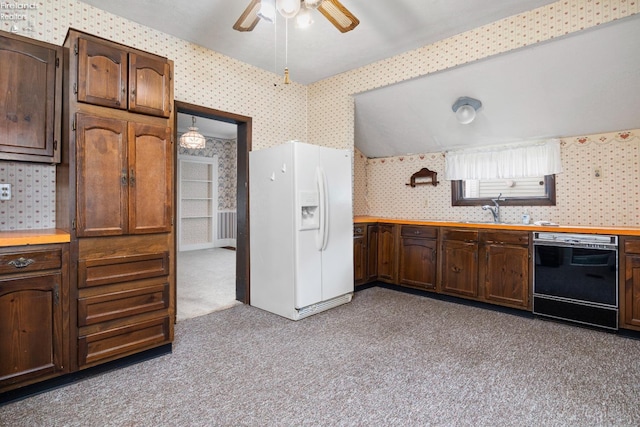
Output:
(540, 191)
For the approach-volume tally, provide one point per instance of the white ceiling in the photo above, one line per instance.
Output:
(581, 84)
(387, 28)
(208, 127)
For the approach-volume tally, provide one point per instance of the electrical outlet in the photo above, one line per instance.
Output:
(5, 191)
(426, 203)
(597, 172)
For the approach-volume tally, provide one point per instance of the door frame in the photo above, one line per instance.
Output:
(242, 197)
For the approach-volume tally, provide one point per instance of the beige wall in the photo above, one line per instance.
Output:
(213, 80)
(202, 77)
(582, 199)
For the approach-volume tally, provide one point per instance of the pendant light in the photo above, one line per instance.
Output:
(193, 139)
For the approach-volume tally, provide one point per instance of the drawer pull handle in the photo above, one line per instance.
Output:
(21, 262)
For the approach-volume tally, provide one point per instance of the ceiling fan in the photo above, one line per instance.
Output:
(333, 10)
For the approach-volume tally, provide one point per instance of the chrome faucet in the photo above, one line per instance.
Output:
(495, 210)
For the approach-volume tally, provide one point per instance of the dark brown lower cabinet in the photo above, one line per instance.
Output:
(372, 252)
(459, 263)
(418, 257)
(387, 253)
(505, 274)
(33, 305)
(359, 254)
(630, 283)
(124, 303)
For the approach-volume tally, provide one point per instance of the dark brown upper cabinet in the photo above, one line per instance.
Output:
(123, 177)
(30, 99)
(112, 77)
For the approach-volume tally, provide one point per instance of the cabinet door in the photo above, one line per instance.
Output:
(418, 262)
(386, 253)
(359, 254)
(150, 179)
(30, 328)
(149, 85)
(102, 176)
(372, 252)
(102, 74)
(30, 104)
(632, 290)
(460, 268)
(506, 274)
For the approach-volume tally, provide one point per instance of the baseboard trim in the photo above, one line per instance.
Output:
(73, 377)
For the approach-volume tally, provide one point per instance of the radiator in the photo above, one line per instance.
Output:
(227, 225)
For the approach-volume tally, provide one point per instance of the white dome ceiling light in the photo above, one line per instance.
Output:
(465, 109)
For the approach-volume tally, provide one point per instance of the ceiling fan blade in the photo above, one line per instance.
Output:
(249, 18)
(338, 15)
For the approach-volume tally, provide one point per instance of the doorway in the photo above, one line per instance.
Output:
(243, 146)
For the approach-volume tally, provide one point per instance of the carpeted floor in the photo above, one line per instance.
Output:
(385, 359)
(206, 282)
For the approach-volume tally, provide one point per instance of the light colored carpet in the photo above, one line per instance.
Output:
(206, 282)
(385, 359)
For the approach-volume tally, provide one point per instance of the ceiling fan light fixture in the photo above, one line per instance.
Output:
(312, 4)
(267, 10)
(193, 139)
(304, 18)
(465, 109)
(288, 8)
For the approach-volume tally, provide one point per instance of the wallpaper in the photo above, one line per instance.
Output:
(281, 113)
(226, 150)
(33, 202)
(581, 197)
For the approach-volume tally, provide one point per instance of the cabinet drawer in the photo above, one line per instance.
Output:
(461, 235)
(416, 231)
(122, 341)
(116, 305)
(632, 246)
(358, 230)
(96, 272)
(506, 237)
(30, 260)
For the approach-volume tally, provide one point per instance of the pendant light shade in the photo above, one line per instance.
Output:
(193, 139)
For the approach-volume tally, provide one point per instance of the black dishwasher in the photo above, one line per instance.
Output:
(575, 278)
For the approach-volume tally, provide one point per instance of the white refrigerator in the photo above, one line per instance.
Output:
(300, 228)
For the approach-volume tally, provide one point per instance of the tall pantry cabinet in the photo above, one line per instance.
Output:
(115, 195)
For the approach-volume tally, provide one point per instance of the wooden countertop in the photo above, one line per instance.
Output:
(33, 237)
(626, 231)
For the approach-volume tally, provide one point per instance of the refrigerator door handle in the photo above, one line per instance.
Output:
(323, 208)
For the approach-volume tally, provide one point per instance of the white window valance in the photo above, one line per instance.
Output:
(521, 160)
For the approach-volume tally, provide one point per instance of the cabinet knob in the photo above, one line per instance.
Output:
(21, 262)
